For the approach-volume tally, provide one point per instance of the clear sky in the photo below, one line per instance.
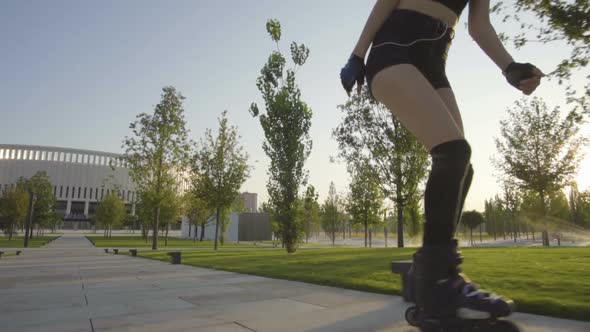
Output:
(76, 73)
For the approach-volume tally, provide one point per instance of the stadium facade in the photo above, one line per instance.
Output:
(80, 178)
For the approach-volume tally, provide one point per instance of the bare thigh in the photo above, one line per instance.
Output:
(448, 97)
(417, 105)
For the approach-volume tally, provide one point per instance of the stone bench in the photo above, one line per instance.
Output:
(1, 252)
(18, 252)
(175, 257)
(402, 268)
(133, 252)
(106, 250)
(116, 251)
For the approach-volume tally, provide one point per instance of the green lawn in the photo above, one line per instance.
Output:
(18, 241)
(135, 241)
(546, 281)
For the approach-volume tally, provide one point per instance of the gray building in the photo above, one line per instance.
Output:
(250, 201)
(80, 178)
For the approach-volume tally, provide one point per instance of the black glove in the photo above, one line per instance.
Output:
(516, 72)
(353, 72)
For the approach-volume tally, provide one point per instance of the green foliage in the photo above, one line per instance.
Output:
(311, 209)
(110, 212)
(555, 21)
(13, 208)
(197, 209)
(158, 151)
(286, 124)
(44, 206)
(330, 212)
(579, 206)
(220, 169)
(365, 200)
(370, 132)
(472, 219)
(539, 152)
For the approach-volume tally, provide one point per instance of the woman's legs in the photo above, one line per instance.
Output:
(440, 291)
(413, 100)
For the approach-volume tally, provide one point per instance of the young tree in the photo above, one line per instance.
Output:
(222, 168)
(309, 209)
(330, 213)
(370, 132)
(171, 212)
(286, 126)
(197, 211)
(44, 206)
(110, 212)
(365, 199)
(472, 219)
(538, 151)
(158, 151)
(579, 203)
(13, 208)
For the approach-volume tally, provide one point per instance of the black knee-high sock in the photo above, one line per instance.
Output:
(466, 186)
(443, 198)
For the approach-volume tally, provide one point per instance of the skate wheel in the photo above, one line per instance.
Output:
(412, 316)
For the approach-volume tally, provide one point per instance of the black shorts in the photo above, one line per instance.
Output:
(413, 38)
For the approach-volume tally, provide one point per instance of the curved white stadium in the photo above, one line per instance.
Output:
(80, 178)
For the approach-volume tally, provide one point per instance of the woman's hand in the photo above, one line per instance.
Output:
(523, 76)
(529, 85)
(353, 72)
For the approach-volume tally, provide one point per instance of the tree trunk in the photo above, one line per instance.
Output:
(166, 238)
(471, 236)
(202, 231)
(400, 225)
(546, 230)
(190, 225)
(216, 228)
(370, 238)
(366, 233)
(480, 238)
(156, 226)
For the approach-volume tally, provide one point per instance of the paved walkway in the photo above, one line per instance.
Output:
(71, 286)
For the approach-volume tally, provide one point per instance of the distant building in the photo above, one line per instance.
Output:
(250, 201)
(80, 178)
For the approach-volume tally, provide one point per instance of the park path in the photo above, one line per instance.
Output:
(72, 286)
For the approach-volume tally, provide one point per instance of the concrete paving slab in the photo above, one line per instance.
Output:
(71, 286)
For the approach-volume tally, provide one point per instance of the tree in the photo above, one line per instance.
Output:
(197, 211)
(330, 213)
(555, 21)
(472, 219)
(579, 203)
(171, 212)
(158, 151)
(110, 212)
(370, 132)
(286, 126)
(365, 199)
(538, 151)
(310, 209)
(13, 208)
(221, 167)
(512, 202)
(44, 205)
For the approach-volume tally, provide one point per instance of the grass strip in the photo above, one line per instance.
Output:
(546, 281)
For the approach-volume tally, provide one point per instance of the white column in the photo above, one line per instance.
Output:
(68, 206)
(86, 206)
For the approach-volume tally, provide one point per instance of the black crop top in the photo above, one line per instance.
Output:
(455, 5)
